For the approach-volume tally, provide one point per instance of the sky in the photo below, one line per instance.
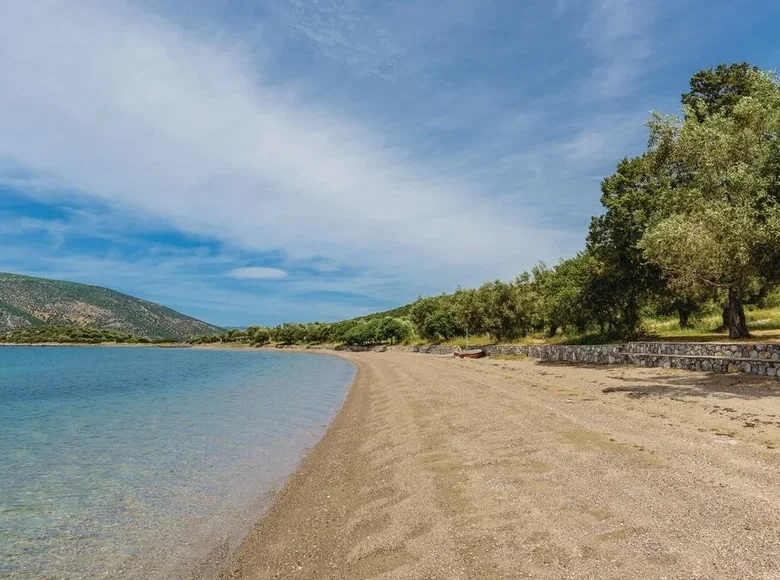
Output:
(253, 162)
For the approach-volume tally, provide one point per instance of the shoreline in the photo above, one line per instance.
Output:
(441, 468)
(211, 561)
(217, 507)
(319, 465)
(99, 345)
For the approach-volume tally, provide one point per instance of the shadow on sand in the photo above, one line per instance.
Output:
(682, 383)
(689, 384)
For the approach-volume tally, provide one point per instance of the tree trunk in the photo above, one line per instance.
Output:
(736, 316)
(630, 319)
(685, 315)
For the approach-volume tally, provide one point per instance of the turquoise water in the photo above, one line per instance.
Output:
(136, 462)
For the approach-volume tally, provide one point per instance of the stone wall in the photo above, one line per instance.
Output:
(714, 364)
(752, 351)
(755, 359)
(588, 354)
(592, 354)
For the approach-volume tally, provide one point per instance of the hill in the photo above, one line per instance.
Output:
(400, 312)
(28, 302)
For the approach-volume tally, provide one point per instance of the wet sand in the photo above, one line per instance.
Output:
(442, 468)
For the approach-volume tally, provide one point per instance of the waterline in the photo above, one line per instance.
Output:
(126, 462)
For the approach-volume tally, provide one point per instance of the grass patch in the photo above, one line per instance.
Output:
(764, 325)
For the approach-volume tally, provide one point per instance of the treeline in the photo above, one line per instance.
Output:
(365, 332)
(690, 225)
(68, 334)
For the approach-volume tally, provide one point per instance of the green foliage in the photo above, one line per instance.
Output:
(718, 90)
(362, 334)
(394, 330)
(469, 311)
(434, 318)
(630, 198)
(67, 335)
(258, 335)
(560, 292)
(378, 331)
(503, 310)
(288, 333)
(720, 226)
(440, 325)
(340, 330)
(317, 332)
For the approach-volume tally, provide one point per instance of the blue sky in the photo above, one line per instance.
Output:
(254, 162)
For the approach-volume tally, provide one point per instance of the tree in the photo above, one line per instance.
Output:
(630, 197)
(441, 325)
(684, 303)
(340, 330)
(434, 318)
(393, 330)
(469, 312)
(560, 294)
(259, 335)
(362, 334)
(317, 332)
(503, 316)
(526, 303)
(718, 90)
(716, 228)
(290, 333)
(421, 309)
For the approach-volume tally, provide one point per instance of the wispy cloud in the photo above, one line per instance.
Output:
(257, 273)
(378, 150)
(619, 33)
(179, 127)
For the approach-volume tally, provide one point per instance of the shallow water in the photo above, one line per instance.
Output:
(134, 462)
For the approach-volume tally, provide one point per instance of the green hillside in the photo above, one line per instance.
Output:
(400, 312)
(27, 302)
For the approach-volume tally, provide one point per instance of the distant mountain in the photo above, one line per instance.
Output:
(26, 301)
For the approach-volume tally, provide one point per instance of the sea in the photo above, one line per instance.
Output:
(149, 462)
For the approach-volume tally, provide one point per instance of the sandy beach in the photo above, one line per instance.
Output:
(442, 468)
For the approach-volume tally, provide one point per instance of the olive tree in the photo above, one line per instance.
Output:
(720, 226)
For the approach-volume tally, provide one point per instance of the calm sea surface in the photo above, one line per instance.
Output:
(135, 462)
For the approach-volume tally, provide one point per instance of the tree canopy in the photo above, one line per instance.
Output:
(720, 225)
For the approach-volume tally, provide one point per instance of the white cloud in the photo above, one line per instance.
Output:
(618, 33)
(132, 110)
(257, 273)
(607, 139)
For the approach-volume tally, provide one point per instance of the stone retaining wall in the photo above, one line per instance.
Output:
(714, 364)
(592, 354)
(755, 359)
(753, 351)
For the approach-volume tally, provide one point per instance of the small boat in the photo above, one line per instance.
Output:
(474, 353)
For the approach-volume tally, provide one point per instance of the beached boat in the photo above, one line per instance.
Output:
(473, 353)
